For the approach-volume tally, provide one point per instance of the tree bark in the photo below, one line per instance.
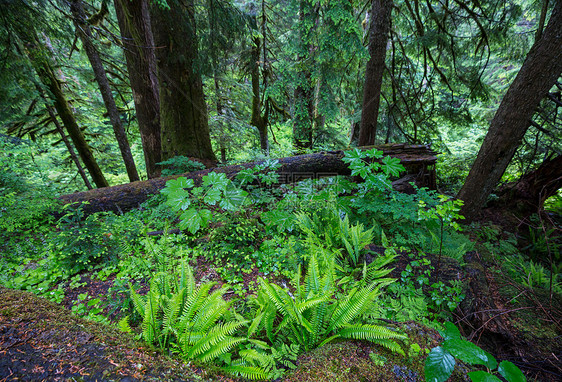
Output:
(85, 35)
(183, 111)
(48, 77)
(303, 126)
(138, 45)
(69, 147)
(538, 74)
(378, 38)
(259, 119)
(528, 194)
(417, 159)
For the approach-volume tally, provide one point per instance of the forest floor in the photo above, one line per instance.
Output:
(44, 341)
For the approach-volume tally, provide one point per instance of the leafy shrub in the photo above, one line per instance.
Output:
(80, 244)
(180, 165)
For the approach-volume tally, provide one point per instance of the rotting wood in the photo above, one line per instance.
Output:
(419, 161)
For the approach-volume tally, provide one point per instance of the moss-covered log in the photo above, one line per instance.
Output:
(419, 161)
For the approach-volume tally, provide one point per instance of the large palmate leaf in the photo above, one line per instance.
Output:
(193, 220)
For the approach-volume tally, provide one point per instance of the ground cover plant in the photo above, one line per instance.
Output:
(252, 279)
(286, 190)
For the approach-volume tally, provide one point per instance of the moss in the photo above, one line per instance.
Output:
(40, 327)
(352, 361)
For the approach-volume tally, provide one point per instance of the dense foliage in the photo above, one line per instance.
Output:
(240, 272)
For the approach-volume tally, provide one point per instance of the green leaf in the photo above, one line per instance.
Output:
(468, 352)
(482, 376)
(177, 184)
(246, 176)
(179, 200)
(282, 220)
(352, 155)
(511, 372)
(233, 199)
(374, 153)
(392, 166)
(176, 193)
(193, 220)
(451, 331)
(212, 196)
(216, 180)
(439, 365)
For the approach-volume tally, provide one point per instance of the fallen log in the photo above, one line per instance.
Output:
(419, 161)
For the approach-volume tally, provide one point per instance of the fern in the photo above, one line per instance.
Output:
(250, 372)
(313, 316)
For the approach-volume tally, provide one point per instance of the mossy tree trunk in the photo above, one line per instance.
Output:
(539, 73)
(260, 115)
(183, 112)
(303, 125)
(85, 35)
(138, 45)
(417, 159)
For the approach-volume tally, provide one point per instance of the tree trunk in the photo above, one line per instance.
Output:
(538, 74)
(183, 112)
(85, 35)
(378, 38)
(259, 120)
(138, 45)
(303, 132)
(47, 76)
(417, 159)
(69, 147)
(528, 194)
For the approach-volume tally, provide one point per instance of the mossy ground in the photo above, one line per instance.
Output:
(40, 340)
(354, 361)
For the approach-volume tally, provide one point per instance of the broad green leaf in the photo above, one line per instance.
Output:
(451, 331)
(468, 352)
(392, 166)
(177, 184)
(373, 153)
(233, 199)
(352, 155)
(282, 220)
(511, 372)
(192, 220)
(212, 196)
(439, 365)
(179, 200)
(216, 180)
(246, 176)
(482, 376)
(205, 215)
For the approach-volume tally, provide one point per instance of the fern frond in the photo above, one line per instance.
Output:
(312, 279)
(368, 332)
(138, 301)
(267, 361)
(216, 335)
(250, 372)
(390, 345)
(193, 301)
(355, 304)
(220, 348)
